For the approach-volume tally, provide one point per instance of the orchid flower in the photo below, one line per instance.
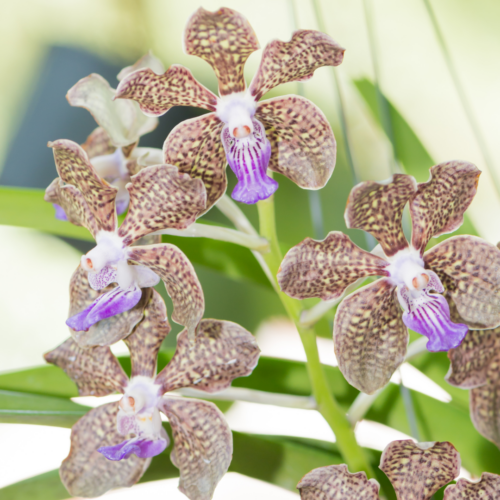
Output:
(371, 325)
(111, 147)
(112, 445)
(161, 197)
(475, 365)
(415, 470)
(288, 135)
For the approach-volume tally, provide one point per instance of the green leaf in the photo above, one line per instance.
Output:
(25, 408)
(26, 208)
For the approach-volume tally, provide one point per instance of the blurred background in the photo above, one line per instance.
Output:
(412, 96)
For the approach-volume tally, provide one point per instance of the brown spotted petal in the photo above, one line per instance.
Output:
(145, 341)
(156, 94)
(203, 444)
(469, 269)
(180, 279)
(86, 472)
(326, 268)
(297, 59)
(335, 482)
(98, 143)
(195, 147)
(74, 168)
(222, 352)
(485, 403)
(73, 203)
(470, 360)
(95, 370)
(418, 470)
(369, 336)
(302, 144)
(148, 60)
(107, 331)
(161, 197)
(122, 119)
(224, 39)
(378, 208)
(488, 488)
(439, 204)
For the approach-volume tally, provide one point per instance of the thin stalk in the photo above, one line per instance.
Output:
(351, 452)
(473, 123)
(382, 104)
(254, 396)
(220, 233)
(410, 411)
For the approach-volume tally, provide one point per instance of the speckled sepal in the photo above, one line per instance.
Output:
(335, 482)
(107, 331)
(439, 204)
(470, 360)
(161, 197)
(418, 470)
(74, 168)
(180, 279)
(95, 370)
(145, 341)
(203, 444)
(326, 268)
(123, 120)
(484, 403)
(156, 94)
(303, 147)
(469, 269)
(488, 488)
(297, 59)
(369, 336)
(222, 352)
(378, 208)
(73, 203)
(98, 143)
(195, 147)
(224, 39)
(87, 473)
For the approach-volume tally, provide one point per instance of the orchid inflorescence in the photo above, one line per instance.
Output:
(440, 293)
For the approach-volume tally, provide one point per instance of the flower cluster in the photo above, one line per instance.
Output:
(439, 293)
(415, 470)
(371, 325)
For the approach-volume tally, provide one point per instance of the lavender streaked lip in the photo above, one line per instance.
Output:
(248, 158)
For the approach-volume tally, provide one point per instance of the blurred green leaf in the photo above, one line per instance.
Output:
(25, 408)
(26, 208)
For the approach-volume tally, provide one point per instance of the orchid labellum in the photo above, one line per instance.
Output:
(371, 325)
(288, 135)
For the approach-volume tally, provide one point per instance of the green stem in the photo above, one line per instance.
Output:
(352, 453)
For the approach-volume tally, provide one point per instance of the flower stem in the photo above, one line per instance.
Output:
(351, 452)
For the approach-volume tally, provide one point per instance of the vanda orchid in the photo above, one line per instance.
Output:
(161, 197)
(371, 325)
(112, 147)
(112, 445)
(288, 134)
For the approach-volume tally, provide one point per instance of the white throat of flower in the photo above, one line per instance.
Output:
(407, 268)
(108, 251)
(140, 401)
(110, 166)
(236, 111)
